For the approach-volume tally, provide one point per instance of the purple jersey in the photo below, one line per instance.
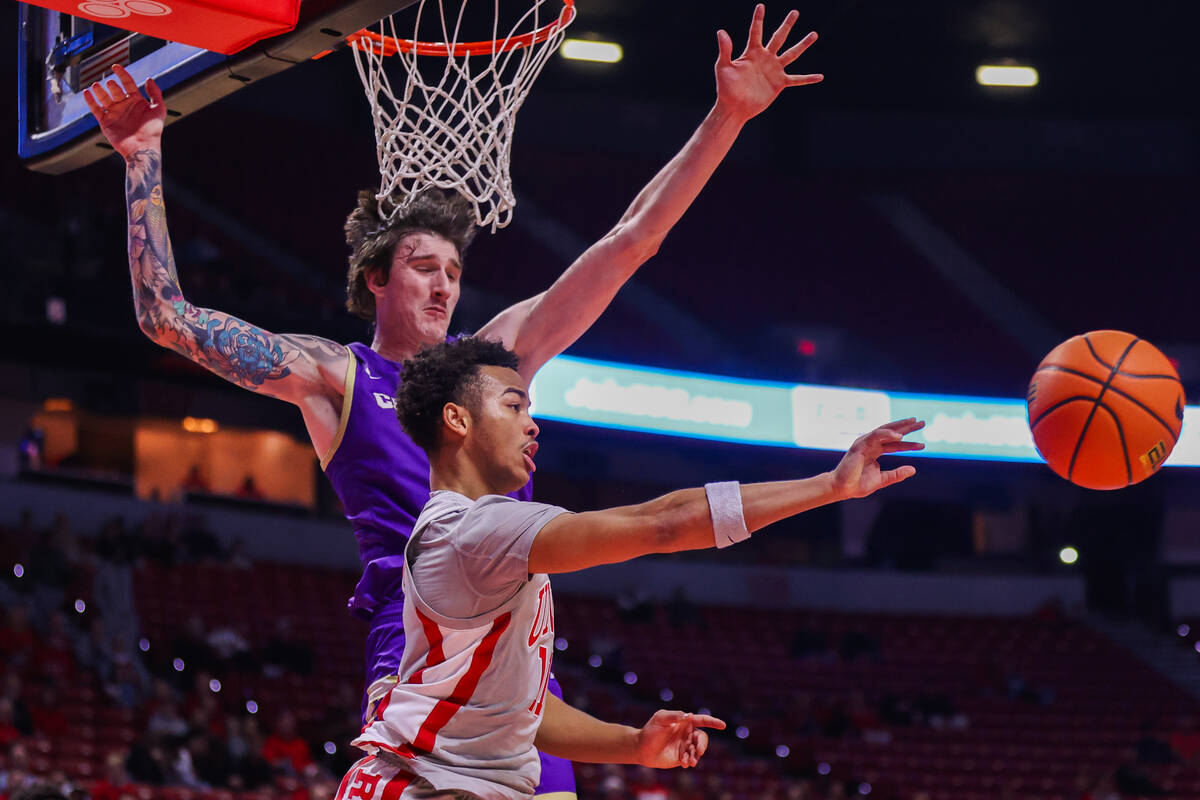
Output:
(381, 476)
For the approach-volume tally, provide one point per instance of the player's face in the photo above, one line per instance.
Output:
(502, 442)
(422, 290)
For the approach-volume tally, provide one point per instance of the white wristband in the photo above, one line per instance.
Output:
(725, 506)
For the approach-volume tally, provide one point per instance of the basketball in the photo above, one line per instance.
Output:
(1105, 409)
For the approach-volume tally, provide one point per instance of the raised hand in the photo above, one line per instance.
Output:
(674, 739)
(127, 119)
(748, 85)
(858, 473)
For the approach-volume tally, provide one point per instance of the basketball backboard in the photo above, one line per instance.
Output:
(60, 55)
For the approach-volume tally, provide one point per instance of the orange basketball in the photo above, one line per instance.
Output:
(1105, 409)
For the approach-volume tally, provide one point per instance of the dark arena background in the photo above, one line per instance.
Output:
(176, 567)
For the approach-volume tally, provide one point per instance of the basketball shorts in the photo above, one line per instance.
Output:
(372, 778)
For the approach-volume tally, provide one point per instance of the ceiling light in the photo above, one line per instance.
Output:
(591, 50)
(992, 75)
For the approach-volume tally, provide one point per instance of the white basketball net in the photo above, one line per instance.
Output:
(454, 129)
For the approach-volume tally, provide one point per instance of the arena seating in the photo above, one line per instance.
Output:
(820, 703)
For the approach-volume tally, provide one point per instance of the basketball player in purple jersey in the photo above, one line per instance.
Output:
(404, 276)
(471, 701)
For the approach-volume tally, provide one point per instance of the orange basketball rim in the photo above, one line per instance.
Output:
(391, 45)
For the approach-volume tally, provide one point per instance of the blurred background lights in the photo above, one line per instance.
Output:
(1006, 75)
(823, 768)
(214, 685)
(595, 660)
(666, 695)
(864, 788)
(783, 751)
(630, 678)
(18, 570)
(80, 606)
(742, 732)
(1068, 555)
(591, 50)
(330, 748)
(251, 707)
(560, 644)
(178, 664)
(144, 645)
(1184, 629)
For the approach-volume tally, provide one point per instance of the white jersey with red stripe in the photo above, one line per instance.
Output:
(479, 632)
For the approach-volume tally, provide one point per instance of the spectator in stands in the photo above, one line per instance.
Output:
(202, 709)
(54, 649)
(129, 683)
(43, 790)
(148, 762)
(191, 645)
(228, 644)
(647, 786)
(166, 722)
(865, 720)
(613, 784)
(209, 758)
(285, 651)
(339, 724)
(49, 714)
(114, 782)
(197, 541)
(1185, 739)
(245, 745)
(16, 773)
(16, 637)
(195, 481)
(112, 580)
(13, 690)
(8, 723)
(322, 787)
(93, 651)
(31, 449)
(49, 564)
(284, 749)
(248, 490)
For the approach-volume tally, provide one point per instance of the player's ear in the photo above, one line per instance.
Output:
(377, 278)
(456, 418)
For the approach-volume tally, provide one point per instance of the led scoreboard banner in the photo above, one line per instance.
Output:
(623, 396)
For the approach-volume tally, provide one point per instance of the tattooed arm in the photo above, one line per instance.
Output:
(306, 370)
(287, 366)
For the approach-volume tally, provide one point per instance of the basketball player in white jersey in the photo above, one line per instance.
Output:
(471, 704)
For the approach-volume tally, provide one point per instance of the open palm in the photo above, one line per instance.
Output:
(858, 474)
(127, 119)
(749, 84)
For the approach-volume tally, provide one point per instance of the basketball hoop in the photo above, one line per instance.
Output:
(454, 132)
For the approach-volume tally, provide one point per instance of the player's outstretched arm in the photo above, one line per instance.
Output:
(684, 520)
(669, 739)
(543, 326)
(292, 367)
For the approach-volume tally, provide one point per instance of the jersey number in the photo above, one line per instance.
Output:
(536, 706)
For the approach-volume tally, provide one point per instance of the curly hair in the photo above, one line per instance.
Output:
(373, 238)
(444, 373)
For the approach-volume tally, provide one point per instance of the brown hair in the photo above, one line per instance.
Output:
(373, 239)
